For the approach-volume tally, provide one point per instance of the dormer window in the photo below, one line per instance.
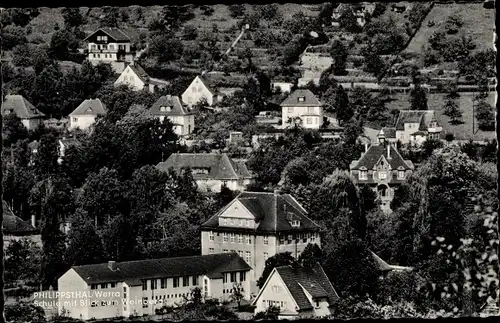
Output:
(165, 109)
(295, 223)
(382, 175)
(89, 110)
(363, 175)
(198, 171)
(301, 98)
(401, 174)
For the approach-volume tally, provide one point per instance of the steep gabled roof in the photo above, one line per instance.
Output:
(219, 166)
(271, 211)
(67, 142)
(422, 117)
(13, 225)
(312, 280)
(177, 109)
(132, 272)
(140, 72)
(370, 158)
(116, 33)
(90, 107)
(21, 107)
(310, 99)
(389, 132)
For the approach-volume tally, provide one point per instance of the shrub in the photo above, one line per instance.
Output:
(24, 312)
(190, 32)
(453, 24)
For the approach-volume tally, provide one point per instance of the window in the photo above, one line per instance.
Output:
(295, 223)
(233, 277)
(124, 292)
(195, 280)
(282, 240)
(382, 175)
(154, 284)
(232, 237)
(185, 281)
(308, 120)
(310, 109)
(401, 174)
(111, 47)
(240, 238)
(93, 286)
(242, 222)
(211, 250)
(93, 55)
(98, 55)
(266, 240)
(144, 285)
(193, 89)
(243, 276)
(248, 256)
(176, 282)
(224, 236)
(363, 175)
(276, 288)
(249, 239)
(144, 302)
(290, 238)
(75, 119)
(233, 251)
(313, 237)
(301, 98)
(224, 251)
(266, 255)
(163, 283)
(240, 253)
(317, 303)
(290, 109)
(211, 236)
(224, 278)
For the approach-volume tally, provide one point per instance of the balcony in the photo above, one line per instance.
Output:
(103, 51)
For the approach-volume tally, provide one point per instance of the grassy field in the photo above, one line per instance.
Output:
(436, 102)
(478, 24)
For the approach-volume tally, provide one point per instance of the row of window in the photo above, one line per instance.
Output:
(239, 222)
(248, 254)
(230, 291)
(175, 282)
(159, 299)
(103, 286)
(303, 237)
(309, 109)
(195, 89)
(268, 303)
(363, 174)
(232, 277)
(233, 238)
(105, 55)
(310, 120)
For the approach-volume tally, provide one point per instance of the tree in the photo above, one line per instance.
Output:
(348, 21)
(279, 259)
(339, 54)
(485, 115)
(453, 24)
(269, 12)
(83, 233)
(24, 312)
(62, 43)
(46, 158)
(22, 261)
(110, 17)
(189, 32)
(174, 15)
(13, 130)
(418, 98)
(311, 255)
(237, 294)
(72, 17)
(374, 64)
(13, 36)
(165, 48)
(237, 10)
(45, 93)
(452, 110)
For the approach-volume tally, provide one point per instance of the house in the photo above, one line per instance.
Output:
(86, 113)
(64, 144)
(14, 228)
(30, 116)
(299, 292)
(211, 87)
(211, 171)
(170, 107)
(259, 225)
(110, 45)
(140, 287)
(383, 169)
(414, 127)
(303, 108)
(135, 77)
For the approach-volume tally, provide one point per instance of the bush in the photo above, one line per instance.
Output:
(246, 308)
(189, 32)
(453, 24)
(24, 312)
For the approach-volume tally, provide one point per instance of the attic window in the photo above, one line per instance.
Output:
(200, 171)
(301, 98)
(89, 110)
(6, 111)
(295, 223)
(165, 109)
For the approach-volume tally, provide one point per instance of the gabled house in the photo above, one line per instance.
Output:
(258, 225)
(383, 169)
(110, 45)
(302, 108)
(14, 228)
(85, 115)
(414, 127)
(30, 116)
(211, 171)
(137, 78)
(211, 87)
(299, 292)
(140, 287)
(170, 107)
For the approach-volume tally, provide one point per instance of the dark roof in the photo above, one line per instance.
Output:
(140, 72)
(215, 81)
(132, 272)
(271, 211)
(34, 145)
(177, 109)
(313, 280)
(69, 142)
(90, 107)
(370, 158)
(13, 225)
(21, 107)
(389, 132)
(113, 32)
(220, 166)
(422, 117)
(292, 100)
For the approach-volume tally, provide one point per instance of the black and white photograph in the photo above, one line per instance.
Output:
(243, 161)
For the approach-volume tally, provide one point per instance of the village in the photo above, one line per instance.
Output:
(280, 161)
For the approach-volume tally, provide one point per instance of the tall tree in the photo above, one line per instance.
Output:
(72, 17)
(279, 259)
(46, 92)
(83, 233)
(339, 54)
(418, 98)
(110, 18)
(13, 130)
(45, 161)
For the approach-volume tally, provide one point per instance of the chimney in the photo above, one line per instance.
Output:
(33, 220)
(112, 265)
(169, 97)
(366, 147)
(388, 151)
(276, 192)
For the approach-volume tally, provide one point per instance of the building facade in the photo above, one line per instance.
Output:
(170, 107)
(211, 171)
(85, 115)
(110, 45)
(414, 127)
(298, 292)
(383, 169)
(258, 226)
(30, 116)
(138, 288)
(137, 79)
(302, 108)
(200, 90)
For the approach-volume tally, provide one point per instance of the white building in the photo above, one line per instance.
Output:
(210, 87)
(110, 45)
(136, 78)
(85, 115)
(258, 225)
(283, 86)
(298, 292)
(113, 289)
(302, 108)
(30, 116)
(211, 171)
(171, 107)
(414, 127)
